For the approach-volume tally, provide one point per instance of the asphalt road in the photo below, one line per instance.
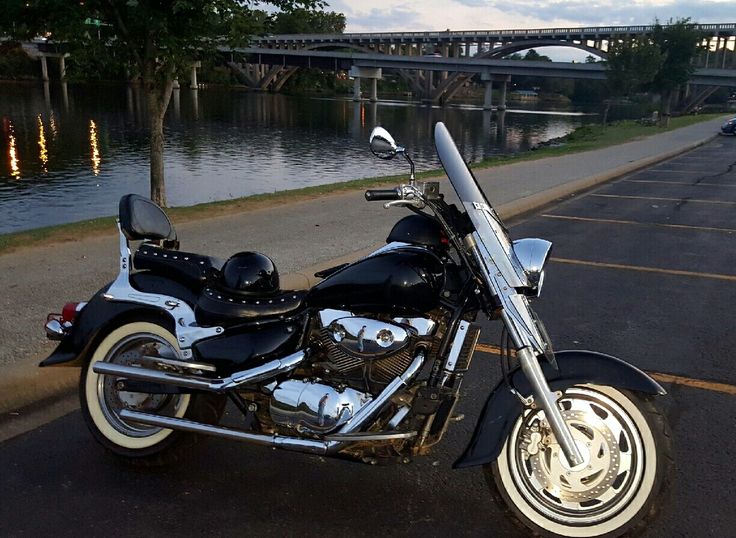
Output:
(643, 269)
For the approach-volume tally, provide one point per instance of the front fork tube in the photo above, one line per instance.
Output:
(547, 400)
(543, 395)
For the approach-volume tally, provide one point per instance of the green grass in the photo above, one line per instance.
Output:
(585, 138)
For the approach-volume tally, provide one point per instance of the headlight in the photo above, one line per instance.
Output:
(532, 255)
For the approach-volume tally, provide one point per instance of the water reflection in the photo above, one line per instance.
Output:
(43, 153)
(12, 152)
(95, 150)
(220, 144)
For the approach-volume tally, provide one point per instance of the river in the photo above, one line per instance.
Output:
(69, 152)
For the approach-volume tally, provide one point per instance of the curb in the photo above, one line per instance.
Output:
(24, 385)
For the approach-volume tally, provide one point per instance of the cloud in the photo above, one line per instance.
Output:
(425, 15)
(604, 13)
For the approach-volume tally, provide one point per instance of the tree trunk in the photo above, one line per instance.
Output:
(607, 107)
(664, 117)
(159, 94)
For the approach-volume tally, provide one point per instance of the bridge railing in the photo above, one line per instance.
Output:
(729, 28)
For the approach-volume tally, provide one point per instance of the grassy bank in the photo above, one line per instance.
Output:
(583, 139)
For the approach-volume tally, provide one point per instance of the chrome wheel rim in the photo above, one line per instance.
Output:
(593, 491)
(130, 351)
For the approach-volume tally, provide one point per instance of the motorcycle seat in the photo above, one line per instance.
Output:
(192, 270)
(218, 306)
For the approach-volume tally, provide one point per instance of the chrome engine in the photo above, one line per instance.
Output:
(360, 356)
(369, 349)
(313, 407)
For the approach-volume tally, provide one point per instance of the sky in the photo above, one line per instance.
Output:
(425, 15)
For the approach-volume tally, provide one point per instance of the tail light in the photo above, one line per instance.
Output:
(58, 325)
(70, 310)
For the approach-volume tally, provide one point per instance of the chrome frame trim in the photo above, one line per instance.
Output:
(369, 436)
(457, 345)
(370, 409)
(185, 323)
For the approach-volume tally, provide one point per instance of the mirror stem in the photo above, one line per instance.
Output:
(411, 163)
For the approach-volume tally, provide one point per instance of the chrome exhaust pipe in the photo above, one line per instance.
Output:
(252, 375)
(331, 444)
(278, 441)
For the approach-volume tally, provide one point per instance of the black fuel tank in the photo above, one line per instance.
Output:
(406, 281)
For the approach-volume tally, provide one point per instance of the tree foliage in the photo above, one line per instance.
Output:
(306, 21)
(659, 63)
(679, 41)
(156, 40)
(632, 65)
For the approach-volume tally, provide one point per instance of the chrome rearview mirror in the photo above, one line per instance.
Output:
(383, 144)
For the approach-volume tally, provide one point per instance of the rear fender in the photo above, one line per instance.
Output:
(575, 367)
(100, 316)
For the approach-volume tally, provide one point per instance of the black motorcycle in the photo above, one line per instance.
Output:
(368, 363)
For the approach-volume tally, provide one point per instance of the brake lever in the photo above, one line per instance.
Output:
(398, 203)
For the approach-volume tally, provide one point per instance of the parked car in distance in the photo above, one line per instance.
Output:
(729, 127)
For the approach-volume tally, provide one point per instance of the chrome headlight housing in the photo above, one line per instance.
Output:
(533, 254)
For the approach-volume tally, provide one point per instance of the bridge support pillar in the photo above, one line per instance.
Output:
(62, 67)
(175, 85)
(503, 81)
(193, 81)
(488, 96)
(487, 79)
(44, 68)
(371, 73)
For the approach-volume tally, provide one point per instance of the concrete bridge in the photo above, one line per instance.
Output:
(436, 65)
(435, 78)
(718, 38)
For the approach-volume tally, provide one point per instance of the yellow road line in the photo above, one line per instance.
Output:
(664, 199)
(670, 171)
(686, 183)
(712, 386)
(730, 278)
(657, 224)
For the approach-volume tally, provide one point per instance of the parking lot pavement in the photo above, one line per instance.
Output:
(642, 269)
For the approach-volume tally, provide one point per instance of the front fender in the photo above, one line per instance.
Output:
(575, 367)
(100, 315)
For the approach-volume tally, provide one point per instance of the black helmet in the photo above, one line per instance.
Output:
(250, 273)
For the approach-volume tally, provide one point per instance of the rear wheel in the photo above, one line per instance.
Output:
(102, 399)
(627, 453)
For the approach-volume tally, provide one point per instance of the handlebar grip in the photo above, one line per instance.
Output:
(378, 195)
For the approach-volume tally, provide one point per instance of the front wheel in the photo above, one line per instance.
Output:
(102, 399)
(627, 453)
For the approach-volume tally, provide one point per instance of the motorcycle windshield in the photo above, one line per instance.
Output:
(493, 240)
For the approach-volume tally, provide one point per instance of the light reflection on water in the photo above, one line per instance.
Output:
(220, 144)
(43, 153)
(12, 153)
(94, 147)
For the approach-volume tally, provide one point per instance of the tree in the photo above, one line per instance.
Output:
(157, 40)
(306, 21)
(679, 41)
(658, 63)
(632, 64)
